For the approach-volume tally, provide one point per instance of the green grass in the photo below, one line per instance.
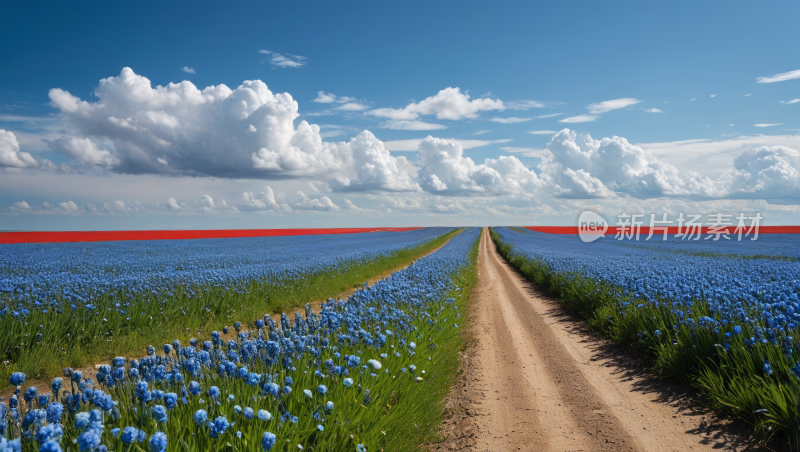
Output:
(420, 410)
(85, 337)
(731, 382)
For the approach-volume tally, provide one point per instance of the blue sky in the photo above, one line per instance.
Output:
(669, 108)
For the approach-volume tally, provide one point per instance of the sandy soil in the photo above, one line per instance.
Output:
(536, 379)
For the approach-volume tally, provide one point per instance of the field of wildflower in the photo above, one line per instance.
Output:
(360, 374)
(723, 316)
(67, 304)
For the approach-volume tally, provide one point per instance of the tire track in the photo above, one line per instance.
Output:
(535, 380)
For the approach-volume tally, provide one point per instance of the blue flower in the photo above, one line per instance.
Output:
(329, 406)
(214, 392)
(248, 413)
(322, 389)
(267, 441)
(194, 388)
(17, 378)
(219, 426)
(48, 446)
(30, 394)
(170, 400)
(158, 442)
(264, 415)
(89, 440)
(50, 432)
(81, 421)
(10, 446)
(347, 382)
(200, 416)
(54, 412)
(142, 393)
(129, 435)
(159, 413)
(55, 386)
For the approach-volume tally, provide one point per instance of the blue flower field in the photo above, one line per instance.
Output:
(356, 375)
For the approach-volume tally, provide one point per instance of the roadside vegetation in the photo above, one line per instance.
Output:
(722, 323)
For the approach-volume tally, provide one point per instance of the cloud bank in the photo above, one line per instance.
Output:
(249, 132)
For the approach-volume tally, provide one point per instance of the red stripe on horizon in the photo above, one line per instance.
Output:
(108, 236)
(670, 230)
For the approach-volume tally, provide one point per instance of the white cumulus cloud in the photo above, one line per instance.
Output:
(577, 166)
(180, 130)
(188, 70)
(372, 167)
(11, 156)
(445, 170)
(83, 150)
(771, 172)
(264, 200)
(449, 103)
(307, 203)
(325, 98)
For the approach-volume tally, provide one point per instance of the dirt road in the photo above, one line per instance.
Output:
(535, 379)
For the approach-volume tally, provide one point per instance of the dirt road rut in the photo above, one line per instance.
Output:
(535, 381)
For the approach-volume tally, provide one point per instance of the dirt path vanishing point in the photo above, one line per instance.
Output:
(536, 379)
(317, 304)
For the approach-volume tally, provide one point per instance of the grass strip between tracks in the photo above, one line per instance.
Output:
(418, 420)
(726, 380)
(87, 337)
